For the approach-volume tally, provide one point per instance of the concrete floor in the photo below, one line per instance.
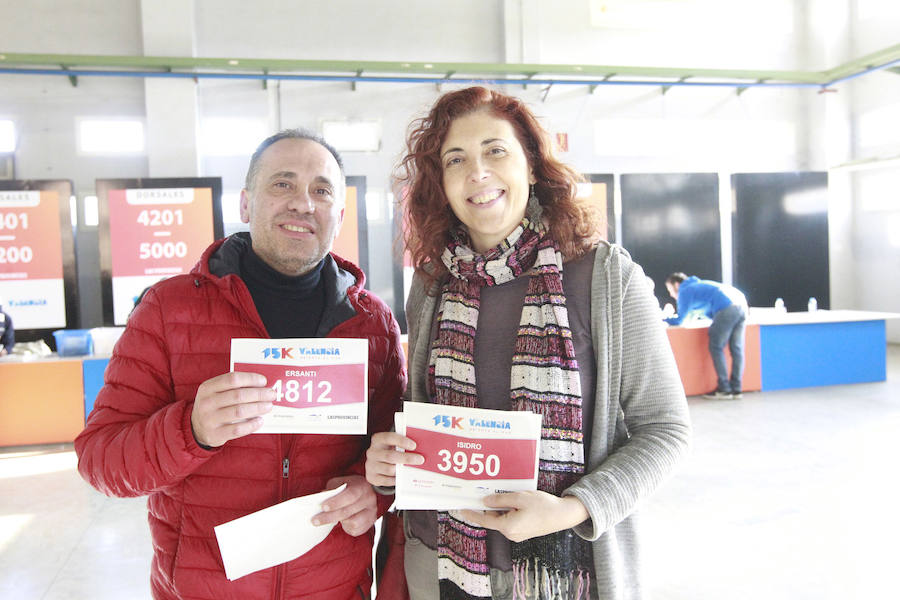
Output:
(787, 495)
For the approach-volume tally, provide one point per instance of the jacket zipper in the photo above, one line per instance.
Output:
(285, 475)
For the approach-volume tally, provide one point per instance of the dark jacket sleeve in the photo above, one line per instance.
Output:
(9, 334)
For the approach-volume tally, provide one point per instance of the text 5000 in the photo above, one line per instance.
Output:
(162, 250)
(292, 391)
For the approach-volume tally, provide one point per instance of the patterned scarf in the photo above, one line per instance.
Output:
(544, 380)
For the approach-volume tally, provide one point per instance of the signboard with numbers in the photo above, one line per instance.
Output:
(320, 384)
(469, 453)
(151, 229)
(37, 263)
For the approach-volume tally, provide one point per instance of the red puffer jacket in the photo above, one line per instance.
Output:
(138, 438)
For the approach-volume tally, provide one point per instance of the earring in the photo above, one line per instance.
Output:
(534, 209)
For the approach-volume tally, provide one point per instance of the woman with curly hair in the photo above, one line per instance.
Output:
(517, 304)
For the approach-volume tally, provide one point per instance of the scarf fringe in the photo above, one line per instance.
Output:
(533, 580)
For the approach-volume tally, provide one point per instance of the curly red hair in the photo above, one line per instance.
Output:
(574, 223)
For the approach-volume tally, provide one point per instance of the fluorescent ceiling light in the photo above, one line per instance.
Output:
(353, 136)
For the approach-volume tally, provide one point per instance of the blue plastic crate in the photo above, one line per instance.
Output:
(73, 342)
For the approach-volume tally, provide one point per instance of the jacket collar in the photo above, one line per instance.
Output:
(343, 280)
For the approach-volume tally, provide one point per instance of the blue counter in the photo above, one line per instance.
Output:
(827, 347)
(93, 369)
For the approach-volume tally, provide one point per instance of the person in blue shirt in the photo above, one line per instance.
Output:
(7, 332)
(727, 307)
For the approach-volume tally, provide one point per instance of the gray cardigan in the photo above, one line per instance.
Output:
(641, 425)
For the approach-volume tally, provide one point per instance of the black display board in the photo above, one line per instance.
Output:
(354, 234)
(780, 232)
(670, 222)
(63, 191)
(400, 259)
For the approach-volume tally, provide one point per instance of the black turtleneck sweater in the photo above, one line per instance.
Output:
(290, 307)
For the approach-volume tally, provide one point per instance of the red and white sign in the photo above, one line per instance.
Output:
(31, 262)
(469, 453)
(313, 386)
(320, 383)
(474, 459)
(155, 233)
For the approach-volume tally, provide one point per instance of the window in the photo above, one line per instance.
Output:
(91, 211)
(110, 136)
(7, 136)
(231, 206)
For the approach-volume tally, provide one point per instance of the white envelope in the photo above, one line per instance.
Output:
(273, 535)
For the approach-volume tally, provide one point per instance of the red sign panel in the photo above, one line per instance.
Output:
(158, 231)
(316, 386)
(30, 241)
(474, 458)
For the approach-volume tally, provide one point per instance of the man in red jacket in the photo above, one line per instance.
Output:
(172, 422)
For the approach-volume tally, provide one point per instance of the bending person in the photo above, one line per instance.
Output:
(727, 307)
(517, 305)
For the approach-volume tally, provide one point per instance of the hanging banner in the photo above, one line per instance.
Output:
(31, 261)
(154, 233)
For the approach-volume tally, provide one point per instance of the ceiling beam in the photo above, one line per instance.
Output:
(886, 56)
(391, 71)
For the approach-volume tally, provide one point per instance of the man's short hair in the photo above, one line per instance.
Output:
(287, 134)
(677, 277)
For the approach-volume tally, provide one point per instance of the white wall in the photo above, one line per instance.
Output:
(462, 31)
(863, 122)
(613, 129)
